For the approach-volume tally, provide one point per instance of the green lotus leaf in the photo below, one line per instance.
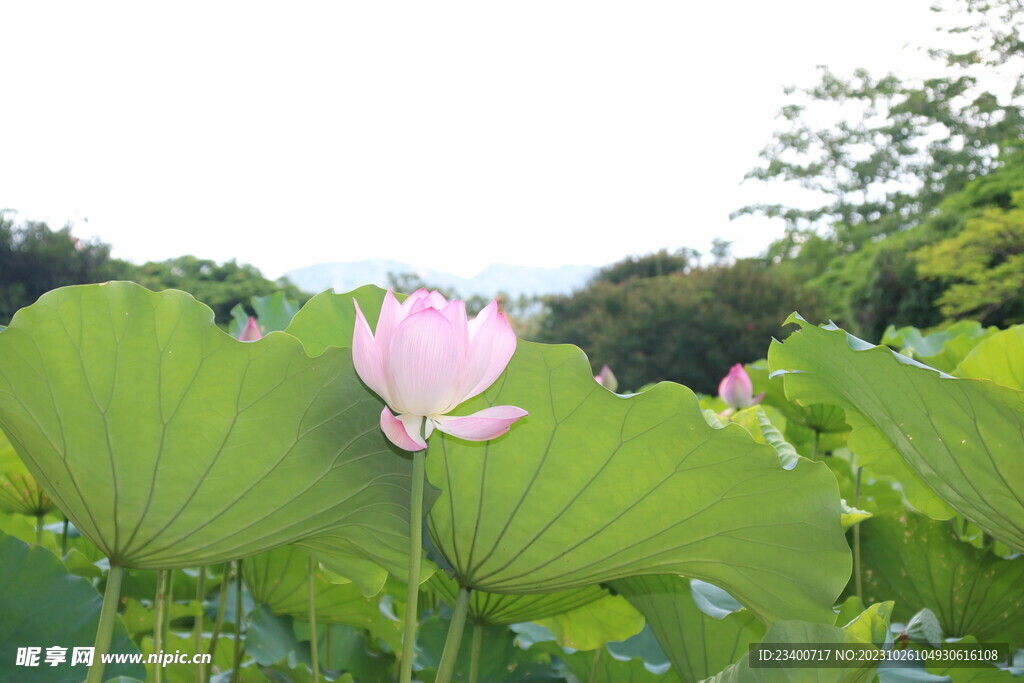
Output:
(170, 444)
(699, 646)
(592, 487)
(960, 437)
(868, 628)
(609, 620)
(43, 606)
(19, 492)
(999, 358)
(941, 350)
(600, 666)
(920, 564)
(278, 579)
(493, 609)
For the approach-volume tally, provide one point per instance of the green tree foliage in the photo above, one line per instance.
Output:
(899, 146)
(984, 264)
(686, 327)
(35, 259)
(902, 165)
(218, 285)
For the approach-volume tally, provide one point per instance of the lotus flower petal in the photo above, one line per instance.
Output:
(482, 425)
(404, 433)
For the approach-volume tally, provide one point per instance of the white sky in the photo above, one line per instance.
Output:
(447, 135)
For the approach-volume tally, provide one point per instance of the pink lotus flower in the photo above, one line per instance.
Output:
(606, 378)
(426, 358)
(251, 332)
(737, 390)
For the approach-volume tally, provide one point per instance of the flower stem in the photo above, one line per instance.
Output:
(222, 606)
(474, 653)
(108, 615)
(158, 620)
(312, 621)
(415, 553)
(451, 645)
(857, 581)
(64, 538)
(39, 529)
(201, 599)
(595, 667)
(235, 674)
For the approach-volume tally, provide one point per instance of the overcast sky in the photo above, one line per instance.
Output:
(447, 135)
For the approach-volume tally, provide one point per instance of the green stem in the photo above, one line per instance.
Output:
(222, 606)
(168, 601)
(201, 599)
(158, 620)
(235, 676)
(64, 539)
(595, 666)
(312, 622)
(857, 580)
(451, 644)
(415, 553)
(814, 447)
(39, 529)
(108, 615)
(474, 653)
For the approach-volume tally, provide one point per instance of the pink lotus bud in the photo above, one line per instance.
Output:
(425, 358)
(606, 378)
(251, 332)
(737, 390)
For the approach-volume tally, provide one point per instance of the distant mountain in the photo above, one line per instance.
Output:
(513, 280)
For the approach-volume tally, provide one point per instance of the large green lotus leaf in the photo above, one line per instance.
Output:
(279, 580)
(919, 563)
(942, 350)
(699, 646)
(803, 423)
(999, 358)
(495, 609)
(592, 487)
(328, 319)
(609, 620)
(870, 627)
(600, 666)
(962, 437)
(19, 492)
(43, 606)
(559, 502)
(170, 444)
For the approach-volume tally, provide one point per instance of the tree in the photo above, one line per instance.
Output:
(911, 144)
(35, 259)
(687, 327)
(218, 285)
(984, 266)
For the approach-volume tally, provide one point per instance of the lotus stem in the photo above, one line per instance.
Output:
(312, 622)
(474, 653)
(327, 646)
(222, 606)
(814, 448)
(39, 529)
(451, 644)
(857, 580)
(596, 664)
(108, 615)
(238, 623)
(415, 552)
(201, 599)
(64, 539)
(168, 601)
(158, 620)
